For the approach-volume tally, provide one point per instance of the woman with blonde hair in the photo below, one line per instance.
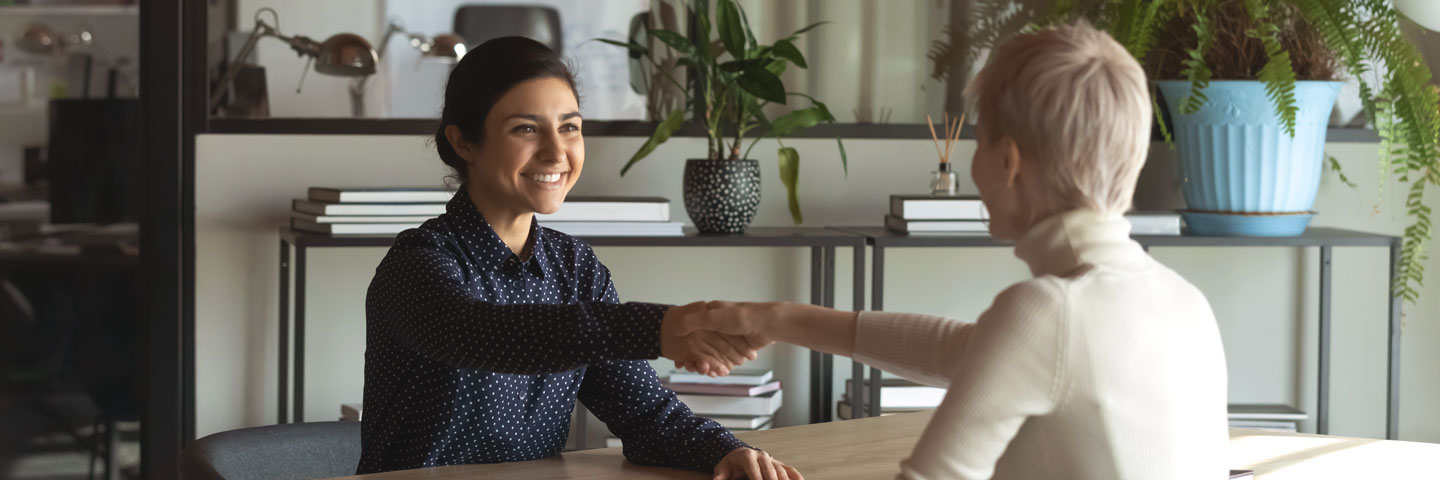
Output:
(1106, 364)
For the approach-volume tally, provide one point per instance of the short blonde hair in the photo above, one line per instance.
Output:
(1077, 105)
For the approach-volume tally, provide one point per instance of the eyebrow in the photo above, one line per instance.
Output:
(536, 118)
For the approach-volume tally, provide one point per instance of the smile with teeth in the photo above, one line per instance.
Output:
(544, 177)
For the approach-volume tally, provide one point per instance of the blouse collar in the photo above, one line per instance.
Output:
(491, 251)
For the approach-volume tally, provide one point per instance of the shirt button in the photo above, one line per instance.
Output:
(517, 283)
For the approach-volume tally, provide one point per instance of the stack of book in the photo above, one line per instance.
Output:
(744, 400)
(367, 211)
(582, 216)
(962, 215)
(896, 396)
(926, 214)
(1268, 417)
(388, 211)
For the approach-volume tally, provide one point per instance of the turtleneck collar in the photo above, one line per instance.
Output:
(1059, 244)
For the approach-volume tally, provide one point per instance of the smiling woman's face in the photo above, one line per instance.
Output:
(532, 151)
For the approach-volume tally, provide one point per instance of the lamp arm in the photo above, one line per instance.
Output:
(261, 30)
(357, 85)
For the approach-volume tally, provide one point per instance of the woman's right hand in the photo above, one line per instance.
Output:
(745, 326)
(708, 352)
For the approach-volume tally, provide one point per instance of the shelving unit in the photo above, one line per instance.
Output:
(1323, 238)
(821, 242)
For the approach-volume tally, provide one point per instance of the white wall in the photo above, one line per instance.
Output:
(1264, 299)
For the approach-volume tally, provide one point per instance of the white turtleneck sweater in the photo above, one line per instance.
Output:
(1107, 364)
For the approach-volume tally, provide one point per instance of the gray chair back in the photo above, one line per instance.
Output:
(276, 452)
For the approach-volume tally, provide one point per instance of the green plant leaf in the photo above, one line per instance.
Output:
(829, 118)
(750, 43)
(776, 67)
(806, 29)
(636, 50)
(675, 41)
(1335, 167)
(786, 50)
(797, 120)
(702, 24)
(731, 29)
(663, 131)
(1196, 70)
(790, 176)
(761, 83)
(735, 66)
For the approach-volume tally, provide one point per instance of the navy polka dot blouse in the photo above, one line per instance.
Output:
(475, 355)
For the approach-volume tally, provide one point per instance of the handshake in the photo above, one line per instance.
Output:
(713, 338)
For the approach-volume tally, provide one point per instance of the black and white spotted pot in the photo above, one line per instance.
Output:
(721, 196)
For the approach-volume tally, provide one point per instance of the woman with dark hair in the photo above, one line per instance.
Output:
(483, 328)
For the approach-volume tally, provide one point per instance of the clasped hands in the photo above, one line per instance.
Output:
(713, 338)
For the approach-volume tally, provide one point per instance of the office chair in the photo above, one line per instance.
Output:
(276, 452)
(479, 23)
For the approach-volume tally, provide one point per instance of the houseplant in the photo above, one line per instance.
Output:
(1199, 41)
(734, 79)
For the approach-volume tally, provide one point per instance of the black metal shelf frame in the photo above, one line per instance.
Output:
(1323, 238)
(821, 242)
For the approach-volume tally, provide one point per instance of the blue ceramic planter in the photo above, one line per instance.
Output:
(1242, 172)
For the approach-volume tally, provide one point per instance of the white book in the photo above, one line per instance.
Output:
(309, 217)
(1154, 223)
(351, 412)
(617, 229)
(325, 208)
(610, 209)
(351, 228)
(898, 394)
(926, 207)
(706, 405)
(1276, 425)
(905, 226)
(736, 377)
(381, 195)
(843, 407)
(742, 422)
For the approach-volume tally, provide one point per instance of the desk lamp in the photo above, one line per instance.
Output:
(39, 39)
(445, 47)
(343, 54)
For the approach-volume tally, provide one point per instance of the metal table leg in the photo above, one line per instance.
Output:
(827, 361)
(857, 369)
(284, 345)
(299, 334)
(1392, 398)
(1322, 399)
(817, 297)
(877, 302)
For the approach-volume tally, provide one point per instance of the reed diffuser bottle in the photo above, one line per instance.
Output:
(943, 181)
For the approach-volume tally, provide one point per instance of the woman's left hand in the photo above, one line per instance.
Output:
(755, 465)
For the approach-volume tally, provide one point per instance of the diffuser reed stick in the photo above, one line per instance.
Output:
(951, 126)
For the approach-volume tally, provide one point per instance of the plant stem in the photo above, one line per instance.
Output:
(672, 79)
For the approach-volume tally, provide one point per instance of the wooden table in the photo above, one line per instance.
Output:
(871, 448)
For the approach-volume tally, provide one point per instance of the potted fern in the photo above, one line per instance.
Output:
(1215, 61)
(1251, 141)
(734, 79)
